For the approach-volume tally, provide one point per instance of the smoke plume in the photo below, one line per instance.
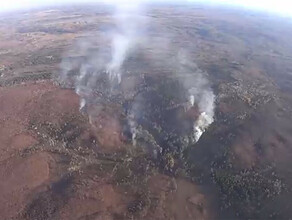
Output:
(200, 93)
(129, 21)
(122, 67)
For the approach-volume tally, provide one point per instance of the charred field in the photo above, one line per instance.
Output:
(60, 161)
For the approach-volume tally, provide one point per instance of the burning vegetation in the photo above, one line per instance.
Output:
(130, 113)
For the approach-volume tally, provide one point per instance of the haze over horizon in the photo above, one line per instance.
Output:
(281, 7)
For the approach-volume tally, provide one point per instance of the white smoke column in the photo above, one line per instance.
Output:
(200, 93)
(192, 100)
(206, 105)
(205, 99)
(133, 128)
(129, 20)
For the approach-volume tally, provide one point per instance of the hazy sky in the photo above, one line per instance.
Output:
(277, 6)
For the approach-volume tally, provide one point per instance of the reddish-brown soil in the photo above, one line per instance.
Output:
(58, 163)
(19, 178)
(34, 172)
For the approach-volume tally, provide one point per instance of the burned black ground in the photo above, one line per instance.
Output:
(241, 163)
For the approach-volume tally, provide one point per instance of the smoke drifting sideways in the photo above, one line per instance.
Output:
(111, 68)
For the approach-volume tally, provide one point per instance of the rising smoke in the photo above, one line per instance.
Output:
(200, 93)
(128, 21)
(99, 74)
